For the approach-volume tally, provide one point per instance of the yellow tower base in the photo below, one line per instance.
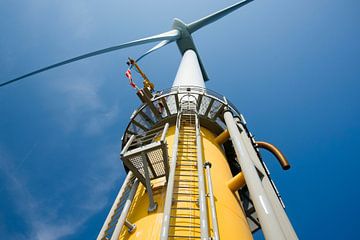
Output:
(232, 222)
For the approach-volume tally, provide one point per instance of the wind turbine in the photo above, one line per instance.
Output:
(170, 145)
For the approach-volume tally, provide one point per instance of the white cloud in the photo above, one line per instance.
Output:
(46, 219)
(82, 107)
(97, 123)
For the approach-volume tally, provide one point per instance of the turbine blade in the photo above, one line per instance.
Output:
(156, 47)
(196, 25)
(170, 35)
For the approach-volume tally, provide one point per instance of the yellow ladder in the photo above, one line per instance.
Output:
(185, 212)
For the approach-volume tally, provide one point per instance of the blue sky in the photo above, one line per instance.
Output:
(291, 67)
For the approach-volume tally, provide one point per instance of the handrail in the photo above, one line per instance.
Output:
(170, 184)
(276, 152)
(114, 207)
(163, 95)
(125, 211)
(163, 135)
(204, 228)
(207, 167)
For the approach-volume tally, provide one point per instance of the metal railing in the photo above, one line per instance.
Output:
(111, 222)
(166, 103)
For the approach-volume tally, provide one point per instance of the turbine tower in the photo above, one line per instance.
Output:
(194, 170)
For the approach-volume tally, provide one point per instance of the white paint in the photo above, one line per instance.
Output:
(263, 204)
(189, 72)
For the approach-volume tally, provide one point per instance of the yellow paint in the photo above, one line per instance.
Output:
(236, 182)
(231, 219)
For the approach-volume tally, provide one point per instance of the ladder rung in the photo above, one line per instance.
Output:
(186, 165)
(187, 160)
(185, 180)
(190, 187)
(186, 170)
(183, 236)
(191, 217)
(189, 194)
(183, 208)
(183, 226)
(189, 201)
(194, 164)
(185, 175)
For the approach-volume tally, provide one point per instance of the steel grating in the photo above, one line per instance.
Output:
(155, 155)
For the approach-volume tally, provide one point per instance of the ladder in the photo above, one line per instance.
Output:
(187, 216)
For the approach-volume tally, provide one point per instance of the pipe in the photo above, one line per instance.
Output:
(266, 214)
(276, 152)
(124, 213)
(114, 206)
(222, 137)
(204, 228)
(236, 182)
(163, 135)
(170, 184)
(127, 145)
(207, 166)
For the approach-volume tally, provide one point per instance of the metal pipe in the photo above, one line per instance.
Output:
(163, 135)
(170, 184)
(114, 206)
(127, 145)
(152, 204)
(124, 213)
(268, 220)
(204, 228)
(277, 153)
(222, 137)
(236, 182)
(207, 166)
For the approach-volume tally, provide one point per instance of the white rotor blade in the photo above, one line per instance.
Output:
(196, 25)
(156, 47)
(170, 36)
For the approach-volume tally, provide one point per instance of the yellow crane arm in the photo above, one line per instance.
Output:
(146, 81)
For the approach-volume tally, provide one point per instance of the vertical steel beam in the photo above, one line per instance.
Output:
(202, 195)
(114, 206)
(268, 220)
(170, 185)
(124, 213)
(152, 204)
(207, 166)
(163, 101)
(164, 151)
